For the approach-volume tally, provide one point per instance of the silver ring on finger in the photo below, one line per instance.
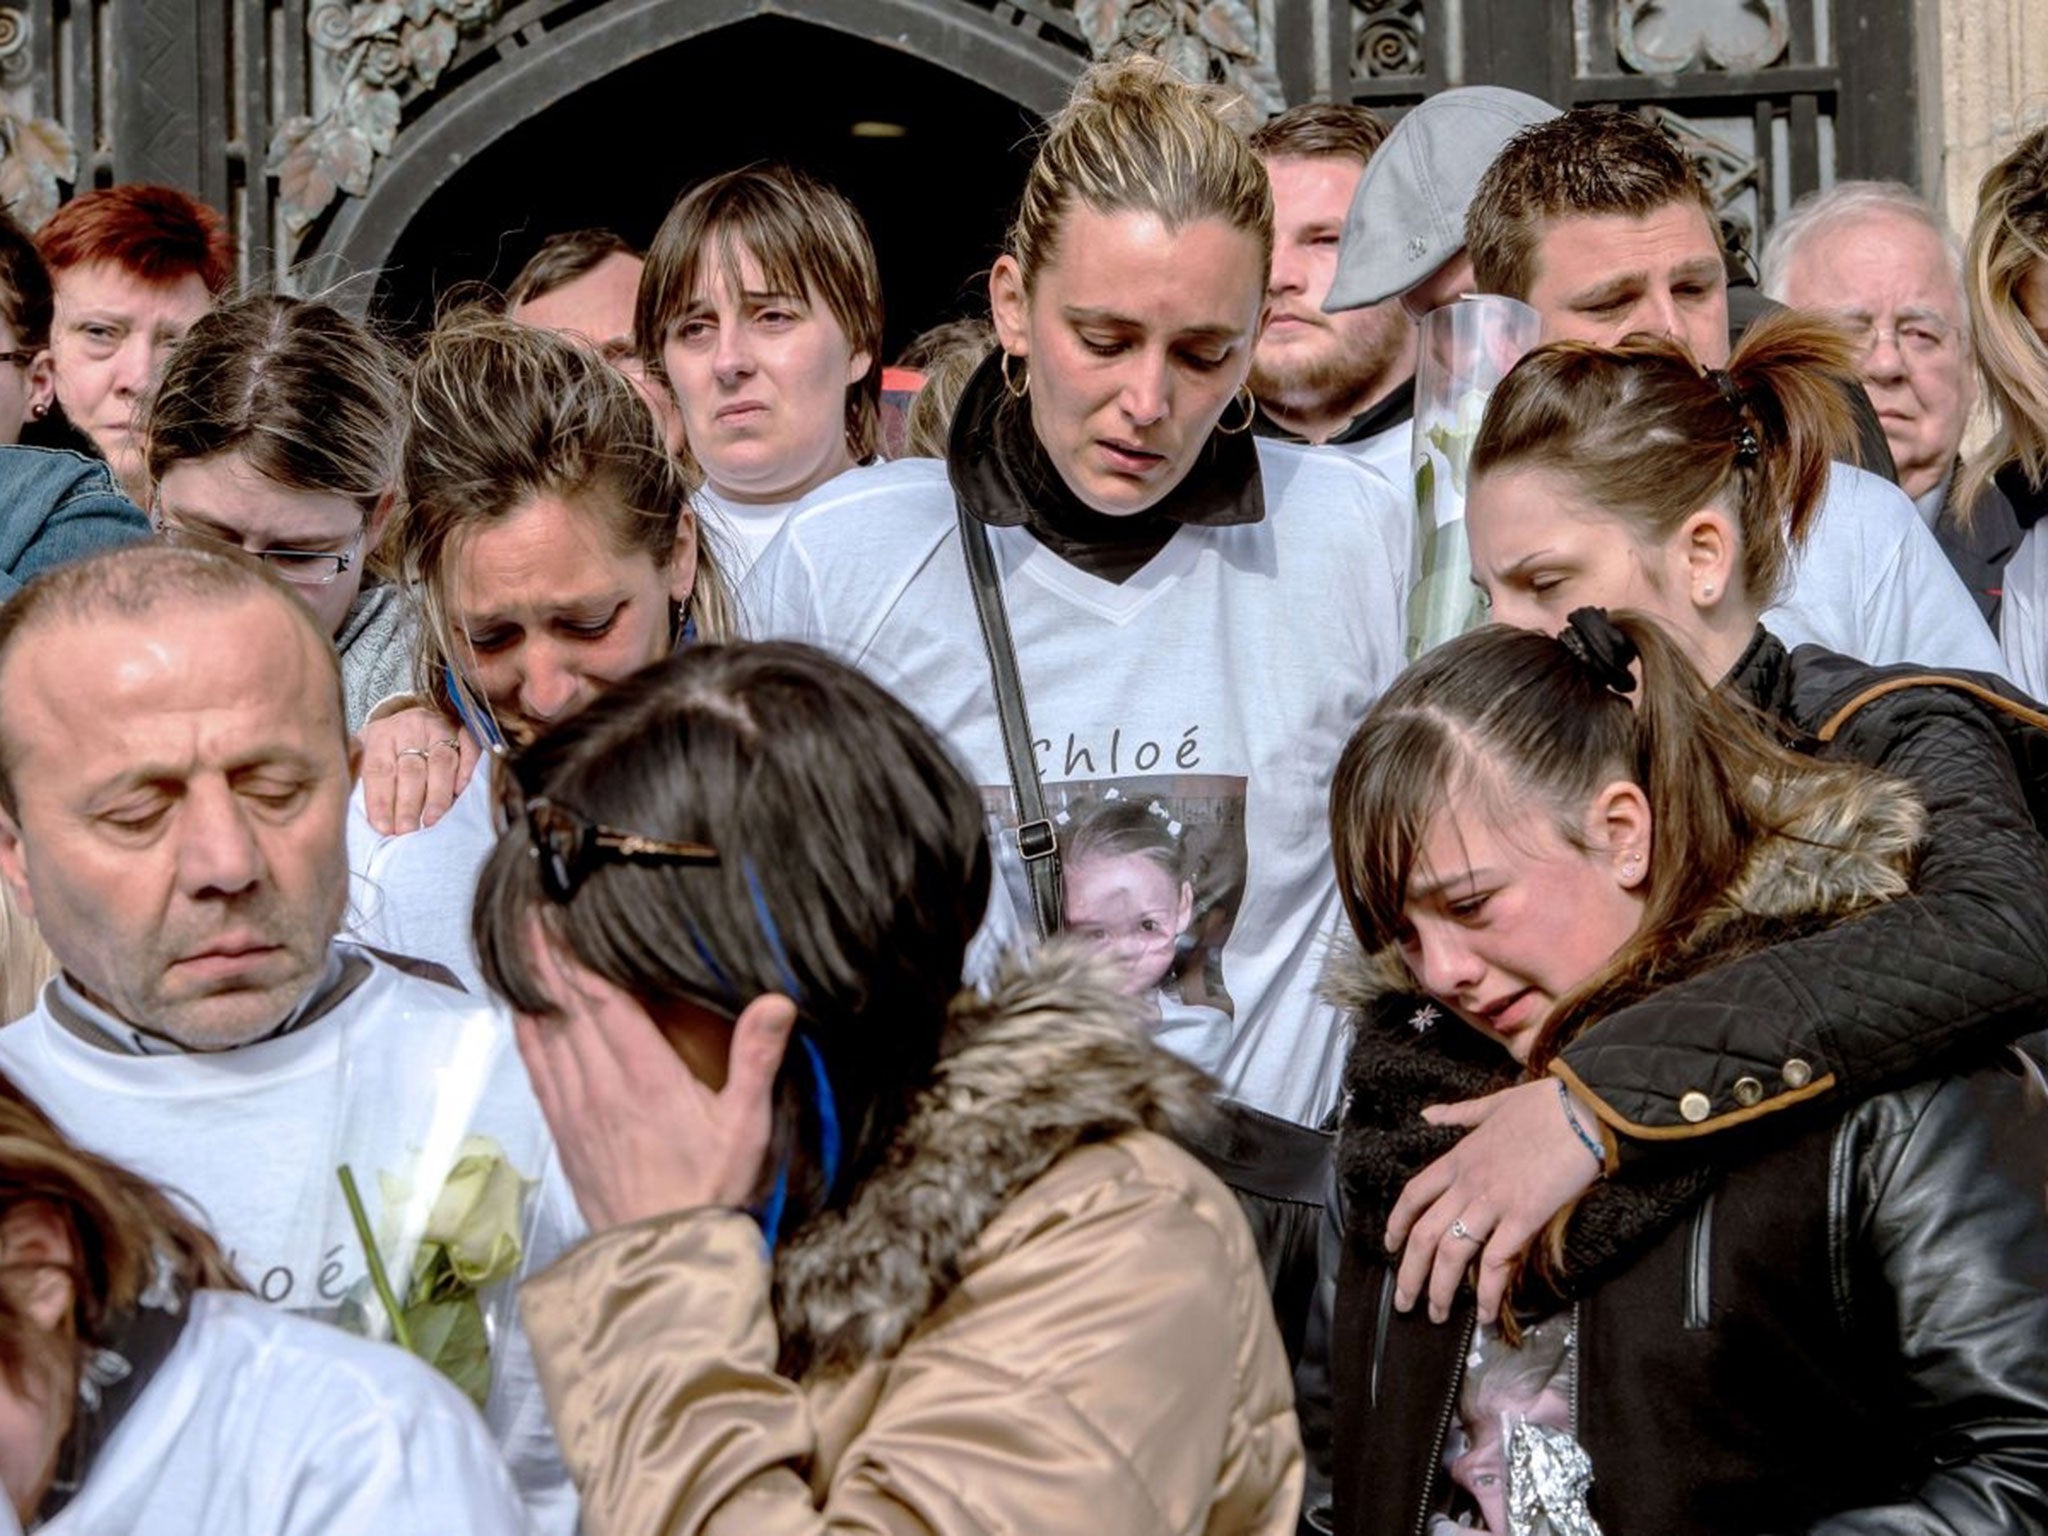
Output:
(446, 741)
(414, 752)
(1461, 1232)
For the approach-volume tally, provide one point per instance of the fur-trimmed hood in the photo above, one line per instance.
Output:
(1054, 1057)
(1833, 855)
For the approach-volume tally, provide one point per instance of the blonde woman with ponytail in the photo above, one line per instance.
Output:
(1835, 1329)
(1197, 614)
(1634, 478)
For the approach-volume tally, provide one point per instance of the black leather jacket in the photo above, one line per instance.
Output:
(1846, 1334)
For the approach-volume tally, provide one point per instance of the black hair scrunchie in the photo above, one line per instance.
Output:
(1748, 448)
(1600, 648)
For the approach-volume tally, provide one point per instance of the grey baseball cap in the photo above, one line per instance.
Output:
(1407, 217)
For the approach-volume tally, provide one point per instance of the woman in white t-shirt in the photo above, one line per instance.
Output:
(760, 312)
(142, 1390)
(1198, 617)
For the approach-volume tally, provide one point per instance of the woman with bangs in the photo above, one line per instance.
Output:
(761, 306)
(760, 312)
(1631, 478)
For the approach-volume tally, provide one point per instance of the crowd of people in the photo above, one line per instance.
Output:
(614, 917)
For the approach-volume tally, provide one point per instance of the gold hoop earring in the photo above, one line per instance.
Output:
(1251, 412)
(1011, 387)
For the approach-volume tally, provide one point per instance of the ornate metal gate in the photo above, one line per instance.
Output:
(323, 126)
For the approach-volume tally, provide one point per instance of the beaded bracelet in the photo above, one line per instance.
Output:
(1564, 1098)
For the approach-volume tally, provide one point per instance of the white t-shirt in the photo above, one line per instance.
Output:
(740, 530)
(2023, 614)
(259, 1423)
(388, 1080)
(411, 892)
(1386, 451)
(1871, 582)
(1213, 690)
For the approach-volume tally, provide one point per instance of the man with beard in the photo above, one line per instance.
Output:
(1347, 380)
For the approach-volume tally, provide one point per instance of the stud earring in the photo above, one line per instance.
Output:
(1707, 590)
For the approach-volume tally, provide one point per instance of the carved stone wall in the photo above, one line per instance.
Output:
(1991, 61)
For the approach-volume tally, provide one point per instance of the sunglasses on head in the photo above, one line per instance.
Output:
(568, 846)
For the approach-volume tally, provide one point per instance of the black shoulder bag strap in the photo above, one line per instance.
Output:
(1035, 839)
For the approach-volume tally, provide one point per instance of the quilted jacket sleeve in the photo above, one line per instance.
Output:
(1949, 1247)
(1874, 1001)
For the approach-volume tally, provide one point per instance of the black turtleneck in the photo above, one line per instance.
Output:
(1004, 477)
(1390, 410)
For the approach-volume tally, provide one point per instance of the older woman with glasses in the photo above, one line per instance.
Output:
(276, 430)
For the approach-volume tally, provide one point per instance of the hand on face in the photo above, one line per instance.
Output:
(1135, 339)
(640, 1134)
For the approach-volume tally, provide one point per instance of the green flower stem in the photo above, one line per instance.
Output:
(378, 1278)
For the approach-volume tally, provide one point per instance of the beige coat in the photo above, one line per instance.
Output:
(1038, 1316)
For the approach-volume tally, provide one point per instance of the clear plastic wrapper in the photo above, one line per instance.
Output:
(1465, 349)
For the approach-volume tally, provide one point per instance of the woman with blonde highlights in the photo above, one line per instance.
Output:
(1632, 478)
(141, 1389)
(550, 543)
(1197, 614)
(2006, 281)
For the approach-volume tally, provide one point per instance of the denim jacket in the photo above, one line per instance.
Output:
(56, 505)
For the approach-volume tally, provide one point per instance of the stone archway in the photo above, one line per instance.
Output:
(528, 77)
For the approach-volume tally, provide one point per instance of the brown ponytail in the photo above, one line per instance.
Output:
(1649, 438)
(1514, 715)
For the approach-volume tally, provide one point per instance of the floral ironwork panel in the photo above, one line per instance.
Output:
(374, 56)
(36, 153)
(1672, 37)
(1215, 40)
(1387, 39)
(1733, 174)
